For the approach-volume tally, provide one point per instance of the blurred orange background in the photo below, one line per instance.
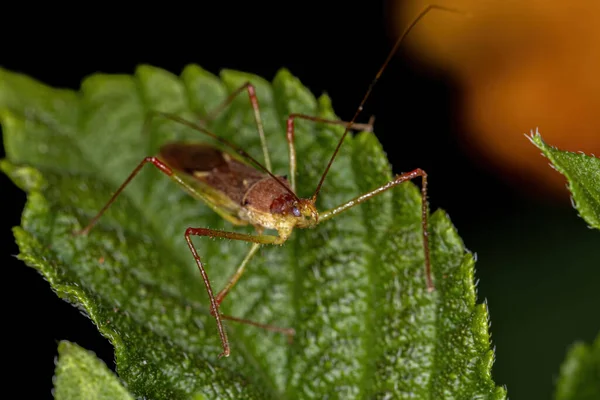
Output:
(520, 66)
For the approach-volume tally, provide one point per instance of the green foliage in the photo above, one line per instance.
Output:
(81, 375)
(580, 373)
(582, 172)
(353, 288)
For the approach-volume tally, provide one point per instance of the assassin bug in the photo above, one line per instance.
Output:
(249, 193)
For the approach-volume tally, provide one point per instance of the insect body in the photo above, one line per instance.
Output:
(238, 192)
(243, 191)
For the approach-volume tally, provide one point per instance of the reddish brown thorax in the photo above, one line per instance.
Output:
(282, 204)
(263, 194)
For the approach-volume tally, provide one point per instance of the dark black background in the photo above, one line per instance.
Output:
(536, 290)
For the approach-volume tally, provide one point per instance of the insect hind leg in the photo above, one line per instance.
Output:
(216, 300)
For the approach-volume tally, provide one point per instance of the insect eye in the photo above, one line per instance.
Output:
(295, 211)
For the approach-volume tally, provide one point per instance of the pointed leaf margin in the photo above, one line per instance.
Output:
(583, 174)
(450, 313)
(79, 374)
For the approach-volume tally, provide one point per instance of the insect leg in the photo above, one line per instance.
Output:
(232, 281)
(291, 135)
(254, 102)
(424, 211)
(214, 302)
(162, 167)
(154, 161)
(237, 274)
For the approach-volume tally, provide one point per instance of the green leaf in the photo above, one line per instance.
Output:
(353, 288)
(583, 174)
(81, 375)
(580, 373)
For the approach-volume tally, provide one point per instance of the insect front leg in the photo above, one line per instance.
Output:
(290, 136)
(255, 107)
(216, 300)
(424, 211)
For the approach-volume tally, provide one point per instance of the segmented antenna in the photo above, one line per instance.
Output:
(418, 18)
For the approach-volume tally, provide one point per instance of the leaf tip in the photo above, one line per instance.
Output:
(26, 178)
(284, 73)
(534, 138)
(8, 119)
(441, 222)
(234, 79)
(193, 71)
(146, 69)
(537, 141)
(79, 373)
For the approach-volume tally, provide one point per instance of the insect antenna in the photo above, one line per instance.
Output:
(406, 31)
(221, 140)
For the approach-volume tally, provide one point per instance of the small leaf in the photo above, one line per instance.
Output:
(353, 288)
(81, 375)
(580, 373)
(582, 172)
